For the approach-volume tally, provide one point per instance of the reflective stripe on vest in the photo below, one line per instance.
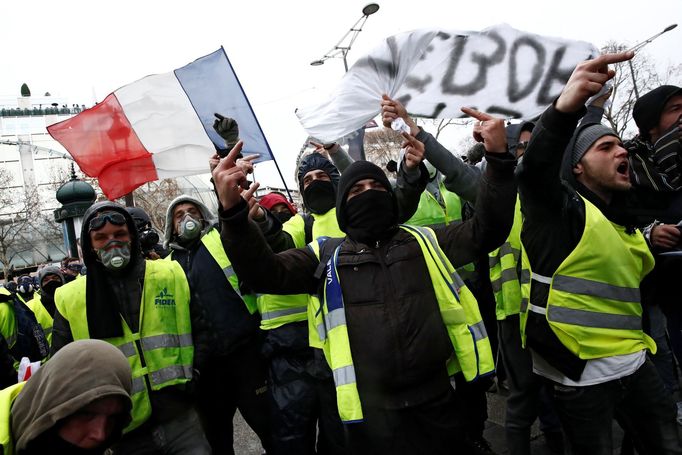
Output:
(214, 245)
(278, 310)
(593, 304)
(162, 350)
(505, 265)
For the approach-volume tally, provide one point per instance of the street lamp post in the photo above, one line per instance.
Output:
(76, 196)
(340, 50)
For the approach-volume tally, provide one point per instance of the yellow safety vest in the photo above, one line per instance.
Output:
(214, 245)
(430, 213)
(43, 317)
(8, 323)
(594, 304)
(504, 265)
(161, 352)
(278, 310)
(458, 308)
(325, 225)
(7, 397)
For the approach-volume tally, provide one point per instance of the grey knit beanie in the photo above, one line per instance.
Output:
(586, 137)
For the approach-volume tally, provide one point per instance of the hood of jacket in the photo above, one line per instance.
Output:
(80, 373)
(209, 220)
(103, 312)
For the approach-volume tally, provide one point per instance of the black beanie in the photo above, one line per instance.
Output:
(357, 171)
(648, 109)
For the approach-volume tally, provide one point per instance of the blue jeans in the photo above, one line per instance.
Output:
(640, 404)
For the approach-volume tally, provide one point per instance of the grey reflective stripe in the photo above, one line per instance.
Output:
(465, 274)
(229, 273)
(595, 288)
(524, 305)
(525, 276)
(456, 279)
(138, 385)
(536, 309)
(506, 275)
(172, 372)
(478, 330)
(166, 341)
(334, 319)
(437, 225)
(321, 332)
(285, 312)
(128, 349)
(594, 319)
(541, 278)
(344, 375)
(493, 261)
(504, 250)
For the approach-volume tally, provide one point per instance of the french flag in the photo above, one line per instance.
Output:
(161, 126)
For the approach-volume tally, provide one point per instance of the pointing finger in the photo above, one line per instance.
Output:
(248, 194)
(236, 150)
(218, 116)
(250, 158)
(478, 115)
(607, 59)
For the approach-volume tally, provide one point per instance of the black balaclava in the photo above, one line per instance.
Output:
(319, 196)
(104, 320)
(48, 289)
(371, 215)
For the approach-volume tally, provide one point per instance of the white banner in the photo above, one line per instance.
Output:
(499, 70)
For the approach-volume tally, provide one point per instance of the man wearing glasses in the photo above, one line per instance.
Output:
(143, 308)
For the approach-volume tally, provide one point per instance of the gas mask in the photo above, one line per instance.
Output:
(115, 255)
(189, 228)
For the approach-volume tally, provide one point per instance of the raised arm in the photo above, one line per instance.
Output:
(460, 178)
(494, 215)
(289, 272)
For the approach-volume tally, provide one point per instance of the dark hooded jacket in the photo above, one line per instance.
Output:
(80, 374)
(221, 322)
(110, 296)
(398, 341)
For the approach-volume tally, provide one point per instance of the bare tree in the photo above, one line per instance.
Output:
(440, 124)
(16, 221)
(633, 79)
(155, 197)
(382, 145)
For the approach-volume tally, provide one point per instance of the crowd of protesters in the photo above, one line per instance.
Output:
(375, 317)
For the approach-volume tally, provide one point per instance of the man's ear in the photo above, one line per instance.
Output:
(578, 169)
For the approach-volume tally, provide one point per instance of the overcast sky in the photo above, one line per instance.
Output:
(84, 50)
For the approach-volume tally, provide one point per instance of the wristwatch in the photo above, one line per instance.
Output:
(329, 145)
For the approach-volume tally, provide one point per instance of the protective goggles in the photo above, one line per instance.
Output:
(101, 219)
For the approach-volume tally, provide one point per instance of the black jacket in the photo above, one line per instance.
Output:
(221, 322)
(397, 337)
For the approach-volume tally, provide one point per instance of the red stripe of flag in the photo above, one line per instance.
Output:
(103, 143)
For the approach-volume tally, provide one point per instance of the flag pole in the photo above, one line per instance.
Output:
(279, 171)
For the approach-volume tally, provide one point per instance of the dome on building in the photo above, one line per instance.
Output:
(75, 191)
